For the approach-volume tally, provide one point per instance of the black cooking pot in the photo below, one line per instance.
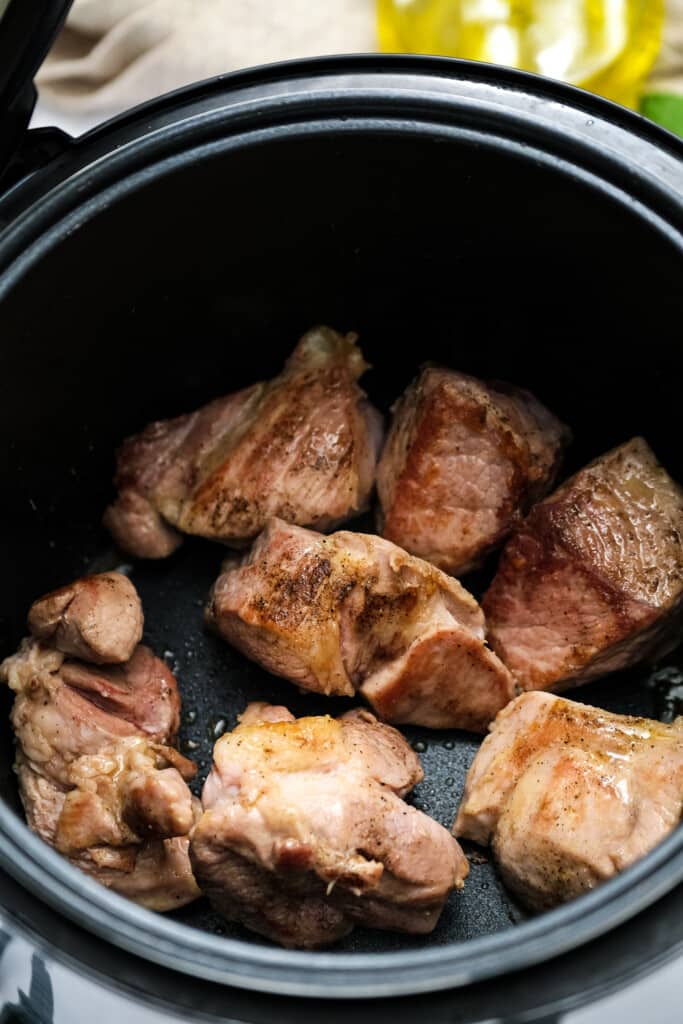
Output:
(457, 212)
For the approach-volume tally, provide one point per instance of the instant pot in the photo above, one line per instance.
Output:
(476, 216)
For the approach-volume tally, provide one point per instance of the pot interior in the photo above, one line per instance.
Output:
(200, 281)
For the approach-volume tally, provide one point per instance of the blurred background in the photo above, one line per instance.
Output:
(113, 54)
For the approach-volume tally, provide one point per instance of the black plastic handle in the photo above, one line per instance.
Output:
(38, 147)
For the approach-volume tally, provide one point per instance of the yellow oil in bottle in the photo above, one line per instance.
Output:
(607, 46)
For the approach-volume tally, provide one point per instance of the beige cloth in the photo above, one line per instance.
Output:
(113, 54)
(116, 53)
(668, 72)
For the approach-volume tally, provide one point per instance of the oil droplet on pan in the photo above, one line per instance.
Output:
(217, 728)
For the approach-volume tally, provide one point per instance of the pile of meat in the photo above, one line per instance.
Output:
(95, 716)
(303, 829)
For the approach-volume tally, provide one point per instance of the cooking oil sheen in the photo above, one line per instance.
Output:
(607, 46)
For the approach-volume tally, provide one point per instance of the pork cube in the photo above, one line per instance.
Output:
(463, 460)
(305, 833)
(353, 612)
(303, 446)
(569, 795)
(592, 580)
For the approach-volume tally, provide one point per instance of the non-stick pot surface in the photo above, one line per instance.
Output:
(168, 261)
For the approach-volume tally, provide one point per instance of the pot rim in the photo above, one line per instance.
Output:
(594, 134)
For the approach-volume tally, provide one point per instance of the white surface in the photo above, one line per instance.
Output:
(658, 999)
(45, 117)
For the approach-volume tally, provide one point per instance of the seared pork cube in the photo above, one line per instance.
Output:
(570, 795)
(592, 580)
(303, 446)
(97, 777)
(463, 460)
(353, 612)
(98, 618)
(305, 833)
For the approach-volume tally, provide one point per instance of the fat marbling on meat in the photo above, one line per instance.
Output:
(568, 795)
(303, 446)
(462, 461)
(305, 833)
(353, 612)
(592, 581)
(98, 777)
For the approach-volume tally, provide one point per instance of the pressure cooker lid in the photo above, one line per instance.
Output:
(26, 34)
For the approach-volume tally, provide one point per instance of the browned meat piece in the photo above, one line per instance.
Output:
(463, 460)
(354, 612)
(302, 446)
(592, 581)
(304, 832)
(98, 618)
(96, 775)
(569, 795)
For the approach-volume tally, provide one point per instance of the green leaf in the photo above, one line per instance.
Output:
(664, 108)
